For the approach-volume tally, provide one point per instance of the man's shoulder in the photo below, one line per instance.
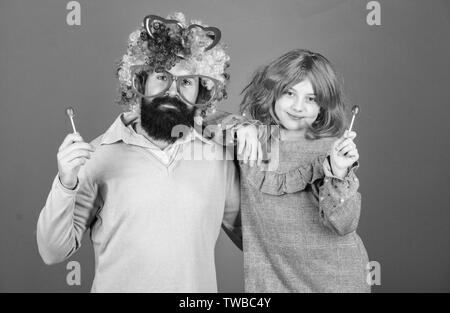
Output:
(220, 151)
(114, 131)
(96, 142)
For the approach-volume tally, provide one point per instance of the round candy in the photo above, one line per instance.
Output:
(70, 112)
(355, 110)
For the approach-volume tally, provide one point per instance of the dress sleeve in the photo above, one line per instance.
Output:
(339, 200)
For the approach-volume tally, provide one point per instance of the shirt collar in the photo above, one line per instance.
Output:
(122, 130)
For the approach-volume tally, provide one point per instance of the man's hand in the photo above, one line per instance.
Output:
(72, 154)
(249, 145)
(343, 154)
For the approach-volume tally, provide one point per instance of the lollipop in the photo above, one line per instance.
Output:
(70, 113)
(355, 111)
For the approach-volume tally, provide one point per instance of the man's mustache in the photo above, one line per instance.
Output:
(167, 100)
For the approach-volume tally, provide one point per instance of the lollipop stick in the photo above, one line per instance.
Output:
(355, 111)
(73, 125)
(351, 124)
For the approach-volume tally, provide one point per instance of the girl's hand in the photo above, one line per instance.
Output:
(343, 154)
(249, 147)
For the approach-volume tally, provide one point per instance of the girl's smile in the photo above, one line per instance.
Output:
(294, 117)
(297, 108)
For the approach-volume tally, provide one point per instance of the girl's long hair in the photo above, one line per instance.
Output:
(271, 81)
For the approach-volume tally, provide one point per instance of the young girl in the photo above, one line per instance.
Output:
(299, 218)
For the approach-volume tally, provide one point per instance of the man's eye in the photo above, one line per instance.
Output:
(187, 82)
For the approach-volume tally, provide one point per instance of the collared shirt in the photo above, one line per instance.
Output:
(129, 135)
(153, 225)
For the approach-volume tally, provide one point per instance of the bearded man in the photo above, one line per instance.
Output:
(154, 213)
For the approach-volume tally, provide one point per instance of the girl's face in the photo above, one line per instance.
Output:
(297, 109)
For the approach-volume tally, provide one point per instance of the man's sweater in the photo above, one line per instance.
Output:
(153, 225)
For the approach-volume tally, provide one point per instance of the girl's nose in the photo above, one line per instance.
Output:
(298, 106)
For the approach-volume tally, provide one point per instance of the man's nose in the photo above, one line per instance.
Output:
(172, 91)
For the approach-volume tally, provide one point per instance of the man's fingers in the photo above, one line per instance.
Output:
(260, 154)
(69, 139)
(75, 146)
(254, 153)
(76, 154)
(247, 150)
(241, 144)
(77, 162)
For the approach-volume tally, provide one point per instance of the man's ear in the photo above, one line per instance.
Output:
(131, 115)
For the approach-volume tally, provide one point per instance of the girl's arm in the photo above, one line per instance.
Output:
(222, 127)
(339, 200)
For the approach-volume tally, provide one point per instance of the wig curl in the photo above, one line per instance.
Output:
(165, 46)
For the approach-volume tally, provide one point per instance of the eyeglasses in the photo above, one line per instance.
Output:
(197, 90)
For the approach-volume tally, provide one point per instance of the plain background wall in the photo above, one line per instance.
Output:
(397, 72)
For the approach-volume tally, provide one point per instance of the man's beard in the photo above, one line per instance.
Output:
(158, 121)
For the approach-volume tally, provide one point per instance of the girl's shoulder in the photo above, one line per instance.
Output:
(325, 143)
(316, 146)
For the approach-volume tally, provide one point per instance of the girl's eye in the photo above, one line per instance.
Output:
(289, 93)
(311, 99)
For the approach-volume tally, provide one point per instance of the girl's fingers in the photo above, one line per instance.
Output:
(346, 150)
(345, 143)
(339, 144)
(351, 134)
(347, 135)
(353, 153)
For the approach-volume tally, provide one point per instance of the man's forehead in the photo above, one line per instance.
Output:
(180, 69)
